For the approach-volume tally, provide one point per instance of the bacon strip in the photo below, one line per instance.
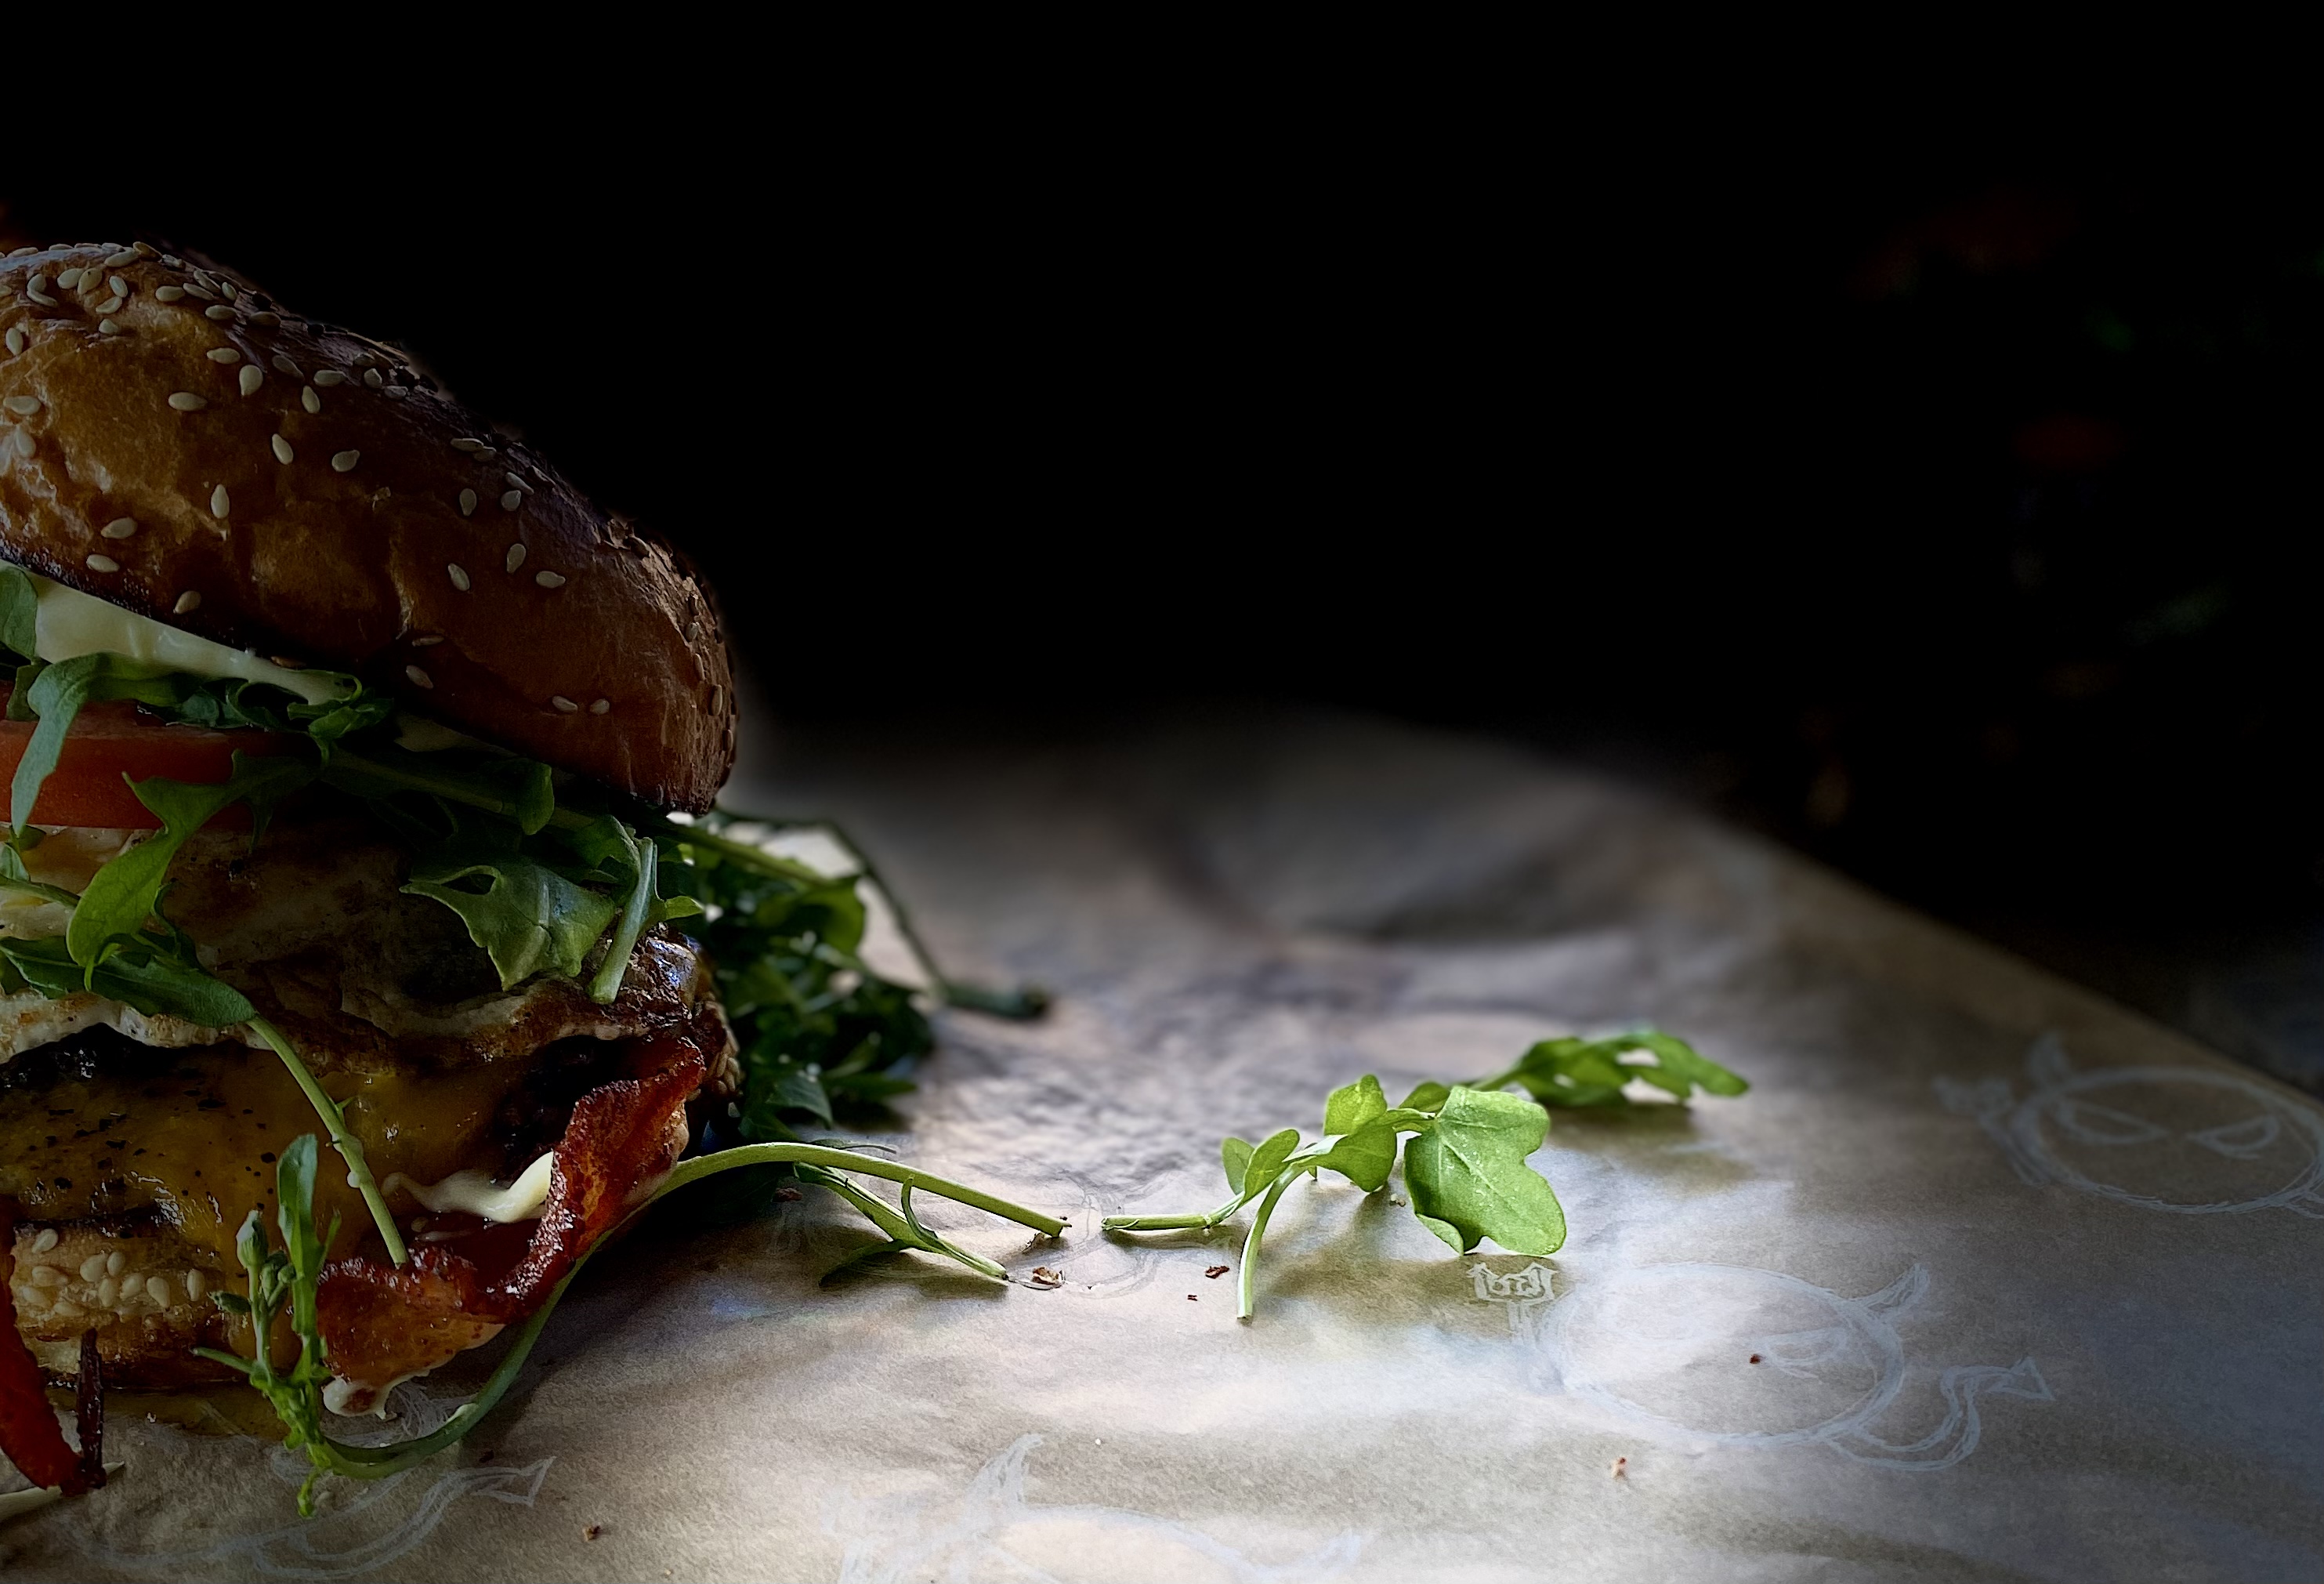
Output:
(29, 1433)
(380, 1323)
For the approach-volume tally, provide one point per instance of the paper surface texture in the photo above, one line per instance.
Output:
(2032, 1285)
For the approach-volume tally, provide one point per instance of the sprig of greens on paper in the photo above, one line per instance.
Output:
(1466, 1147)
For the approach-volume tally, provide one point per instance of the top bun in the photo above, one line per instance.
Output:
(175, 444)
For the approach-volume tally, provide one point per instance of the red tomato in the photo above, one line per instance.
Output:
(111, 741)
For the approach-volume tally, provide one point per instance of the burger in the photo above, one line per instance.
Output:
(361, 877)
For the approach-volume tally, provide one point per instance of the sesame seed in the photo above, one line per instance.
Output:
(459, 577)
(187, 602)
(467, 502)
(717, 697)
(37, 290)
(119, 528)
(145, 250)
(467, 445)
(67, 279)
(22, 252)
(372, 378)
(115, 1262)
(26, 444)
(549, 580)
(222, 355)
(187, 401)
(108, 327)
(196, 1284)
(516, 483)
(601, 706)
(485, 453)
(15, 341)
(345, 461)
(694, 631)
(227, 287)
(512, 500)
(173, 261)
(328, 377)
(127, 256)
(251, 377)
(220, 503)
(515, 557)
(397, 392)
(310, 400)
(202, 291)
(111, 304)
(366, 360)
(120, 287)
(157, 1288)
(565, 706)
(282, 450)
(427, 639)
(169, 293)
(217, 311)
(46, 1241)
(420, 679)
(264, 318)
(22, 406)
(282, 364)
(103, 563)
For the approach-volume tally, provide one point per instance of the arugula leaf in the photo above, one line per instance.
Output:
(150, 979)
(527, 917)
(1469, 1181)
(57, 695)
(123, 895)
(517, 790)
(19, 612)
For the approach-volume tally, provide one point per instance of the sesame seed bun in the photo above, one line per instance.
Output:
(176, 443)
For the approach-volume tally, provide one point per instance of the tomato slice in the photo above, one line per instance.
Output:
(111, 741)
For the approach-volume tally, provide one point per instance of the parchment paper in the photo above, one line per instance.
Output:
(2031, 1284)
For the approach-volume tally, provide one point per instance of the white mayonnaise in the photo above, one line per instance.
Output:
(476, 1193)
(72, 624)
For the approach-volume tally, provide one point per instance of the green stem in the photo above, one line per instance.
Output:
(608, 982)
(767, 1154)
(377, 1462)
(1244, 1304)
(349, 1147)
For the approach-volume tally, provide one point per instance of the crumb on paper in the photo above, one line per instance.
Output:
(1043, 1277)
(1215, 1272)
(1755, 1358)
(1621, 1469)
(1192, 1299)
(591, 1532)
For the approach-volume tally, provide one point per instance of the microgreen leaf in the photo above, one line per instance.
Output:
(1267, 1160)
(1234, 1154)
(1350, 1107)
(1427, 1097)
(1469, 1181)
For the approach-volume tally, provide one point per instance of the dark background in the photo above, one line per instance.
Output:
(1951, 516)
